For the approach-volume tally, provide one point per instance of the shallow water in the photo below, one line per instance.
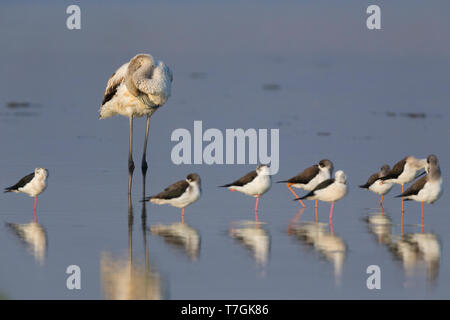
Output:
(332, 88)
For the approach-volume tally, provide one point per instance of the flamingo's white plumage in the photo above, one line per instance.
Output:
(136, 89)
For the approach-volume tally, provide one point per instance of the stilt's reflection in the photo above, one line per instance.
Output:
(181, 235)
(126, 279)
(315, 234)
(254, 237)
(381, 227)
(416, 250)
(33, 236)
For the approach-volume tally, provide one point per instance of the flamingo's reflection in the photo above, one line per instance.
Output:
(123, 279)
(128, 278)
(316, 235)
(416, 250)
(180, 235)
(253, 236)
(33, 236)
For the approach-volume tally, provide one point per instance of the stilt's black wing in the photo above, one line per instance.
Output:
(415, 188)
(242, 181)
(320, 186)
(396, 170)
(173, 191)
(305, 176)
(371, 181)
(22, 182)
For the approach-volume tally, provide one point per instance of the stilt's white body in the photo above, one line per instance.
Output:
(381, 187)
(430, 192)
(191, 195)
(37, 185)
(334, 192)
(260, 185)
(408, 175)
(411, 168)
(34, 188)
(429, 188)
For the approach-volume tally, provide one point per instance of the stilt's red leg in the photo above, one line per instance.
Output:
(315, 204)
(402, 197)
(256, 207)
(182, 215)
(257, 202)
(330, 218)
(296, 196)
(381, 201)
(317, 214)
(35, 204)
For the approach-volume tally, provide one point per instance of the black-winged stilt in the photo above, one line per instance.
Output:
(330, 190)
(404, 171)
(426, 189)
(254, 183)
(180, 194)
(376, 185)
(309, 178)
(32, 184)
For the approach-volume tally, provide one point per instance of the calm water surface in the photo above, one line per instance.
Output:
(333, 89)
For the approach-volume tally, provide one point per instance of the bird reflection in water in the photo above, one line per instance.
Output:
(33, 236)
(180, 235)
(127, 279)
(380, 226)
(254, 237)
(416, 250)
(315, 234)
(124, 280)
